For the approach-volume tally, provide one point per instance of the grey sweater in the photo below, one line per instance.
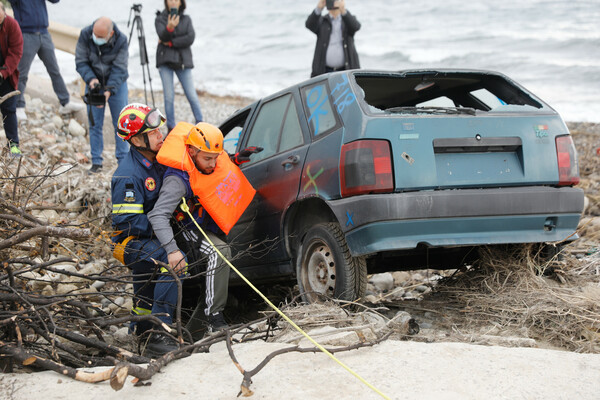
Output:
(171, 192)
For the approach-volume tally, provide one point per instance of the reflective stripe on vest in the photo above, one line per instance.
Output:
(128, 208)
(141, 311)
(224, 194)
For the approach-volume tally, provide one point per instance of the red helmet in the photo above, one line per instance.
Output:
(138, 118)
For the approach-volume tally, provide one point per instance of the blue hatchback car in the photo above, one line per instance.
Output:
(365, 171)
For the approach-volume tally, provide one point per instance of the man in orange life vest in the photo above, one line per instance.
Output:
(212, 186)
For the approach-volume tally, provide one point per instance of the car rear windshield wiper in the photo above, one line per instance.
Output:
(431, 110)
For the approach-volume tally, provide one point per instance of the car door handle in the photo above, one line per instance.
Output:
(290, 160)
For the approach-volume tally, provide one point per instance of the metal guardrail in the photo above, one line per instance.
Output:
(64, 36)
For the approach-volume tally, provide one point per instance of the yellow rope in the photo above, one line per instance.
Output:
(184, 207)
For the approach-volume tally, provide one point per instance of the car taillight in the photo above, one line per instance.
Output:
(568, 170)
(366, 167)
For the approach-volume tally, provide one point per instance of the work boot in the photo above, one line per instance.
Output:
(216, 322)
(160, 344)
(95, 169)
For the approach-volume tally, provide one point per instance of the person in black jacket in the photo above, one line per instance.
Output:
(174, 55)
(335, 31)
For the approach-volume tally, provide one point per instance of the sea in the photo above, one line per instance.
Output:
(253, 48)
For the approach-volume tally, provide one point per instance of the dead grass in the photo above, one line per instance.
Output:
(557, 302)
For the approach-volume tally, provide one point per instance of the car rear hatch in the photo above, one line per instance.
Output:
(465, 129)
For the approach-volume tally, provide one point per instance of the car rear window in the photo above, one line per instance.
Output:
(443, 93)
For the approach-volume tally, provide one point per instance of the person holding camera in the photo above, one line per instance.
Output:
(101, 59)
(32, 16)
(335, 31)
(11, 50)
(174, 56)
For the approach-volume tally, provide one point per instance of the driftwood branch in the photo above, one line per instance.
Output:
(71, 233)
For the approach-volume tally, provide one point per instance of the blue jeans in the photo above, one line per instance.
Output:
(9, 118)
(41, 44)
(116, 103)
(187, 82)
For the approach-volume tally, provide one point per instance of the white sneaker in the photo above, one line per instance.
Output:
(70, 107)
(21, 116)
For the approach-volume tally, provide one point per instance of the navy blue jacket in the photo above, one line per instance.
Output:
(107, 63)
(135, 187)
(31, 15)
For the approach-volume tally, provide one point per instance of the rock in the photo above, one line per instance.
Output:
(66, 289)
(120, 301)
(35, 105)
(57, 121)
(98, 285)
(370, 299)
(404, 323)
(76, 129)
(49, 126)
(65, 267)
(46, 216)
(122, 334)
(92, 269)
(417, 276)
(48, 291)
(383, 282)
(397, 293)
(422, 289)
(400, 277)
(128, 305)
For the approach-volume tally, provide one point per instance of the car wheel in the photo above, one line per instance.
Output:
(326, 267)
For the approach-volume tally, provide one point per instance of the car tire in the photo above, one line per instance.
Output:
(325, 268)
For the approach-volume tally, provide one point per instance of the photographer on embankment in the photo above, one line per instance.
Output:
(101, 60)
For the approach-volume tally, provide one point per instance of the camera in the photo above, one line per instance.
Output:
(174, 11)
(95, 96)
(329, 4)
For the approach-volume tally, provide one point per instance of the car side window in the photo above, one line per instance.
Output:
(276, 128)
(291, 135)
(320, 113)
(232, 130)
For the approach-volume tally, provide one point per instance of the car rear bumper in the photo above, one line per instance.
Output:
(385, 222)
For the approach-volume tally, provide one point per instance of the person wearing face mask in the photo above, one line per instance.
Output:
(101, 60)
(174, 56)
(335, 31)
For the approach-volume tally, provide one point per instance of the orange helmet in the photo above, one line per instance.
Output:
(205, 137)
(138, 118)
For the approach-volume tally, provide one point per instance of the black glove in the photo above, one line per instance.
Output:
(244, 155)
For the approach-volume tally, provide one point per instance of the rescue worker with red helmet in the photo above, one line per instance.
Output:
(135, 187)
(197, 163)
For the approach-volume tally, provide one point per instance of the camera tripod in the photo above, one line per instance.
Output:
(136, 23)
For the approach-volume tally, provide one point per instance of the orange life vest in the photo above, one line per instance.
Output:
(225, 194)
